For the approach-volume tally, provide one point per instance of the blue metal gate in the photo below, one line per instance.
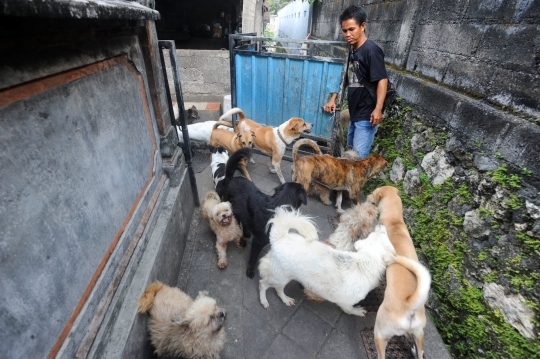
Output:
(272, 86)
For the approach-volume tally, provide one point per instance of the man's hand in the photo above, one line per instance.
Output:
(331, 105)
(376, 117)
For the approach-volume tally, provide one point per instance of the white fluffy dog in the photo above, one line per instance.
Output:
(355, 223)
(224, 224)
(342, 277)
(181, 326)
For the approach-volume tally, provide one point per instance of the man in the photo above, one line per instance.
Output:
(368, 58)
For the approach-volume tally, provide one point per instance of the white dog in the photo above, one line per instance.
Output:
(342, 277)
(199, 131)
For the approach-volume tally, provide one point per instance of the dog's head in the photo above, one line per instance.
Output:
(290, 193)
(375, 164)
(382, 192)
(296, 126)
(360, 220)
(222, 213)
(379, 237)
(204, 318)
(192, 114)
(245, 139)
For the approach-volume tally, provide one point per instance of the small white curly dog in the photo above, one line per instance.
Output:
(224, 224)
(181, 326)
(341, 277)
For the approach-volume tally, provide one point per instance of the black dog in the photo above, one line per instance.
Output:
(252, 207)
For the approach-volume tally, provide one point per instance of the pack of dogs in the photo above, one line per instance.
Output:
(371, 240)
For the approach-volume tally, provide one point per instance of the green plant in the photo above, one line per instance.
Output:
(500, 175)
(498, 155)
(526, 172)
(513, 202)
(478, 143)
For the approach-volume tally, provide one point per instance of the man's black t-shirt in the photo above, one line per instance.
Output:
(370, 61)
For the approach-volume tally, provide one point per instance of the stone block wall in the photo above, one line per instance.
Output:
(488, 50)
(205, 75)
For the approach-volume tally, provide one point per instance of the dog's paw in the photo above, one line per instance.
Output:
(340, 210)
(241, 243)
(288, 301)
(250, 273)
(252, 161)
(222, 264)
(326, 202)
(265, 304)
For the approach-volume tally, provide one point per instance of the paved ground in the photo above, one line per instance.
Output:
(306, 330)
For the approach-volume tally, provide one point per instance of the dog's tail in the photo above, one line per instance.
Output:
(147, 300)
(423, 281)
(233, 111)
(302, 142)
(221, 123)
(234, 159)
(285, 219)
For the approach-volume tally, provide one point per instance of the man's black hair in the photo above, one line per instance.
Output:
(353, 12)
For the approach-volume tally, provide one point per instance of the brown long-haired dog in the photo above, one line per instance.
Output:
(224, 224)
(181, 326)
(232, 142)
(402, 310)
(324, 172)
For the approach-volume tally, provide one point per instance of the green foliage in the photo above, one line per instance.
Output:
(526, 172)
(498, 155)
(500, 175)
(513, 202)
(532, 243)
(478, 143)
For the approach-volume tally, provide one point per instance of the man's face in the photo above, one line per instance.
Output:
(352, 32)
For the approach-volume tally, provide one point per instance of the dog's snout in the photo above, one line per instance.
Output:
(224, 215)
(222, 314)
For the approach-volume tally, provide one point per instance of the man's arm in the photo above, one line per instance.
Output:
(331, 105)
(376, 115)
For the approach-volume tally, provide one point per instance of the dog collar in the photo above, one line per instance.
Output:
(280, 136)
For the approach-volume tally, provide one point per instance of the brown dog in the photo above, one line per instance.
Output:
(271, 140)
(402, 310)
(324, 172)
(232, 141)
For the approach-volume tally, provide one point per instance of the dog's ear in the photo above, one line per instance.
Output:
(303, 197)
(202, 293)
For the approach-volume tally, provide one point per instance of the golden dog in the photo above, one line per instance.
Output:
(324, 172)
(402, 310)
(271, 140)
(232, 141)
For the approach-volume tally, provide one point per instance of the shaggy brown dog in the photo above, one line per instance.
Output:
(271, 140)
(355, 223)
(232, 142)
(180, 326)
(402, 310)
(224, 224)
(324, 172)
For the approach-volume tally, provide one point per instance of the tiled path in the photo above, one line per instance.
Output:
(306, 330)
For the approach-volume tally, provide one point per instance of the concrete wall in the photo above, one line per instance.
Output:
(488, 50)
(91, 178)
(252, 19)
(294, 20)
(205, 74)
